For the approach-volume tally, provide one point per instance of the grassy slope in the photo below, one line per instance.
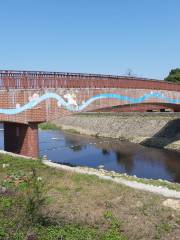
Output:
(82, 207)
(48, 126)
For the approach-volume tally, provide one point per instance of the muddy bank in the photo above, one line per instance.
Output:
(160, 130)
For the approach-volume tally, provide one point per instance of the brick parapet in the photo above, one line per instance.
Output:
(48, 109)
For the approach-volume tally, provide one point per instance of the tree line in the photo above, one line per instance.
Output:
(174, 76)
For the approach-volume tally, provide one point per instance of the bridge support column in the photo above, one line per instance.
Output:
(21, 138)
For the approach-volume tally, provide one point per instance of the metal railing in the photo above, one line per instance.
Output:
(10, 79)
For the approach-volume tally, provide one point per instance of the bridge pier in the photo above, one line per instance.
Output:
(21, 138)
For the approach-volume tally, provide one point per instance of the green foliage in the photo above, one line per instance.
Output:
(70, 232)
(77, 232)
(114, 230)
(6, 203)
(2, 233)
(33, 197)
(48, 126)
(161, 229)
(113, 235)
(71, 130)
(174, 76)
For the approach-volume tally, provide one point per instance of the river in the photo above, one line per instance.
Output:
(113, 155)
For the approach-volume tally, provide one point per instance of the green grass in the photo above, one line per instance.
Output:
(48, 126)
(71, 130)
(21, 212)
(70, 206)
(52, 126)
(162, 228)
(68, 232)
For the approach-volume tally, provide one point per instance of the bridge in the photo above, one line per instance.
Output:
(28, 98)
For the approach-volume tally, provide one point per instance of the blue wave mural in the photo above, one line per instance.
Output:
(70, 107)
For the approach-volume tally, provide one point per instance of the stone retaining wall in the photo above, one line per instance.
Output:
(151, 129)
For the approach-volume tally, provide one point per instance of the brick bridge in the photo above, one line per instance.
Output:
(30, 98)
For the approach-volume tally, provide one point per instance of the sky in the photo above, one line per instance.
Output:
(91, 36)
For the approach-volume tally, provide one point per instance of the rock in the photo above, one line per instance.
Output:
(172, 203)
(5, 165)
(171, 217)
(31, 236)
(3, 190)
(139, 204)
(101, 166)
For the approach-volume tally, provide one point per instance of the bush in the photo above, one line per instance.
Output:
(33, 197)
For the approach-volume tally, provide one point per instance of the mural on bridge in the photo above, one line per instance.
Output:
(72, 105)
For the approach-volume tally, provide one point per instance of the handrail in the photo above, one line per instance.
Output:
(12, 79)
(17, 72)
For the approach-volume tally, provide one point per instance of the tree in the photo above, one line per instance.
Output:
(174, 76)
(129, 72)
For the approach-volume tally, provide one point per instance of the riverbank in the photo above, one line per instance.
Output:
(161, 187)
(160, 130)
(80, 206)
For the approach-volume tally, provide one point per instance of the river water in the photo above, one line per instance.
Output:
(112, 155)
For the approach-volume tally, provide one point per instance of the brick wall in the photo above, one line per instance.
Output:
(49, 109)
(21, 138)
(19, 88)
(16, 88)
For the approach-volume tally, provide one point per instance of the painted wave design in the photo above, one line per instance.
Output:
(63, 103)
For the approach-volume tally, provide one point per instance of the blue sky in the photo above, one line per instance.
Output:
(93, 36)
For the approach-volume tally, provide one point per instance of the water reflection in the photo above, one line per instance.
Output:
(73, 144)
(124, 157)
(126, 161)
(105, 152)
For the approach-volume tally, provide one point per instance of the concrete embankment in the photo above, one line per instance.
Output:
(151, 129)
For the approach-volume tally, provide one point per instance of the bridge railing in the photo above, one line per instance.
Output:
(41, 80)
